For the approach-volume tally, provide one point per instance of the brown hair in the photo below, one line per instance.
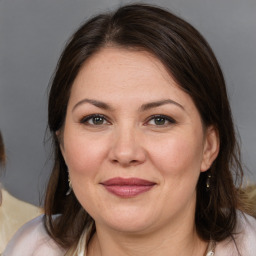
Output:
(191, 62)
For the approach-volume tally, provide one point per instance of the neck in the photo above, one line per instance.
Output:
(164, 243)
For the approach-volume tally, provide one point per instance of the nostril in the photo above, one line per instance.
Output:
(125, 163)
(126, 151)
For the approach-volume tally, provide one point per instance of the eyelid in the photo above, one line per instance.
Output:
(85, 119)
(168, 118)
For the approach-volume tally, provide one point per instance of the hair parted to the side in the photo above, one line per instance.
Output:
(191, 63)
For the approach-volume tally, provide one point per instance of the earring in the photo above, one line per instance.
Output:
(208, 182)
(70, 186)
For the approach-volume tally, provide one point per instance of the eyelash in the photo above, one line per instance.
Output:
(85, 120)
(164, 117)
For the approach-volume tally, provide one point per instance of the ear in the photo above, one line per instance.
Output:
(211, 148)
(59, 135)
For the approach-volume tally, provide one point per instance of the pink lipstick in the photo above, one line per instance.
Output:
(127, 187)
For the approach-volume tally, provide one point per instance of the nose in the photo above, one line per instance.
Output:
(127, 149)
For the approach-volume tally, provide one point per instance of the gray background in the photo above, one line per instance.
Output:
(32, 34)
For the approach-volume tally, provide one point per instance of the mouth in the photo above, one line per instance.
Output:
(127, 187)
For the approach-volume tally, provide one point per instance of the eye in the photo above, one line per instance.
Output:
(160, 120)
(95, 119)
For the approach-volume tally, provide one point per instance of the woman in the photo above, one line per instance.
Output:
(145, 150)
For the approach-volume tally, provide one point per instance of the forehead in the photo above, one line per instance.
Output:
(110, 59)
(118, 65)
(122, 74)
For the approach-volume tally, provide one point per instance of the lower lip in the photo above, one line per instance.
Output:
(127, 191)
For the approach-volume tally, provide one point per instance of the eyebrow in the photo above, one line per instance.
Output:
(159, 103)
(143, 107)
(96, 103)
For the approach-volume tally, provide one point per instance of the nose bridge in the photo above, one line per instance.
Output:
(126, 147)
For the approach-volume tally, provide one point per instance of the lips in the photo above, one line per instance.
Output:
(127, 188)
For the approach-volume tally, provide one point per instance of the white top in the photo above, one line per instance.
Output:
(32, 240)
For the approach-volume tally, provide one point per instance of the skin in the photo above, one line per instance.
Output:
(129, 142)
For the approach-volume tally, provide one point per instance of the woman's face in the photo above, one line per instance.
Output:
(134, 143)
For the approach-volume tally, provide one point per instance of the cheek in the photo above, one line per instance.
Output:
(83, 155)
(178, 154)
(178, 161)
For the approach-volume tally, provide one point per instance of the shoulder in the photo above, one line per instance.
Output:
(33, 240)
(247, 233)
(244, 238)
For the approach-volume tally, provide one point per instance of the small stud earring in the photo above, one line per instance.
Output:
(70, 186)
(208, 182)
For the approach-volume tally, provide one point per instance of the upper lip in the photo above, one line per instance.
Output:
(118, 181)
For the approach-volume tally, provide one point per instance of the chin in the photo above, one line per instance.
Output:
(130, 227)
(130, 222)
